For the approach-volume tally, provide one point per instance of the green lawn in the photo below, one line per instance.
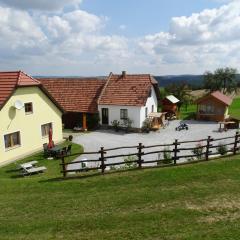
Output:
(234, 110)
(200, 201)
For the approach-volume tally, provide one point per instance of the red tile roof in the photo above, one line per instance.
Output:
(9, 81)
(219, 96)
(75, 94)
(128, 90)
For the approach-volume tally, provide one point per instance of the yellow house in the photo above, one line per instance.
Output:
(27, 111)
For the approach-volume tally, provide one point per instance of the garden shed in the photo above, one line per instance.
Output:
(213, 107)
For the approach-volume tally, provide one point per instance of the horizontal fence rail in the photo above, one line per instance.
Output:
(203, 149)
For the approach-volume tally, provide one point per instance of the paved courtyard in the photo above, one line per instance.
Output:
(110, 139)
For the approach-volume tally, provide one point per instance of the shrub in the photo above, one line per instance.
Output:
(128, 163)
(127, 124)
(116, 125)
(146, 125)
(221, 149)
(198, 151)
(167, 156)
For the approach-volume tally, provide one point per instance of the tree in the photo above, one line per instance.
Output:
(223, 79)
(181, 91)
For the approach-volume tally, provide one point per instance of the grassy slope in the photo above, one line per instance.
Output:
(234, 110)
(200, 201)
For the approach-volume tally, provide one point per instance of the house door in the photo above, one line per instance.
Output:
(105, 116)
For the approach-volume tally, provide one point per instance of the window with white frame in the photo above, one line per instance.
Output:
(45, 129)
(123, 113)
(12, 140)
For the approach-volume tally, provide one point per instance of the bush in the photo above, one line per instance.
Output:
(128, 163)
(221, 149)
(167, 156)
(198, 151)
(127, 124)
(116, 125)
(146, 125)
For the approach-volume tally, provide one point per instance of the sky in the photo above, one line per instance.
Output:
(96, 37)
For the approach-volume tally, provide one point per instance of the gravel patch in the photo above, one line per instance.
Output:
(110, 139)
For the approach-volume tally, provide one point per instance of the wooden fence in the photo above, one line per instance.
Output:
(175, 149)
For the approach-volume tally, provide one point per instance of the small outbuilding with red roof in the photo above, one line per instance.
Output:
(213, 107)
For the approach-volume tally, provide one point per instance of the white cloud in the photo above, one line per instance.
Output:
(45, 5)
(208, 39)
(75, 43)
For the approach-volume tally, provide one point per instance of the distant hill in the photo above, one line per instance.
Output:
(196, 81)
(193, 80)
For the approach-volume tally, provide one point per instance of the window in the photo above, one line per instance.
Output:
(146, 112)
(150, 93)
(123, 113)
(45, 129)
(152, 108)
(28, 108)
(12, 140)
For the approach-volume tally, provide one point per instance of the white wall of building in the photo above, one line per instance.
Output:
(137, 114)
(114, 113)
(151, 101)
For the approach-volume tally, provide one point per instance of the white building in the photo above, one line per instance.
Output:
(128, 97)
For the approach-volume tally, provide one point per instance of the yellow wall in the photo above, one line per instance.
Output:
(13, 120)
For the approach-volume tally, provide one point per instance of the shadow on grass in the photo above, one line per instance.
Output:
(89, 175)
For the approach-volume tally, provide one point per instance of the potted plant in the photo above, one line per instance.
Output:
(116, 125)
(127, 124)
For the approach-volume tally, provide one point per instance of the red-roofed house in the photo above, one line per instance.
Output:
(213, 107)
(78, 97)
(128, 96)
(27, 111)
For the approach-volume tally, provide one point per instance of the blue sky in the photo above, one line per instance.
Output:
(95, 37)
(143, 17)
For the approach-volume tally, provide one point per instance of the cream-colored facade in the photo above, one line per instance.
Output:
(29, 125)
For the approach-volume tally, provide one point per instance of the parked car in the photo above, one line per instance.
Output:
(182, 126)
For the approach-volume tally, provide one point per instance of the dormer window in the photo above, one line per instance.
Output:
(28, 108)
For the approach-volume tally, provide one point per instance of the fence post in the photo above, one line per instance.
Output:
(63, 166)
(175, 150)
(235, 143)
(102, 159)
(209, 139)
(140, 147)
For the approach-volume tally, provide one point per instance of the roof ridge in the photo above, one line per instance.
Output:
(35, 80)
(104, 88)
(18, 78)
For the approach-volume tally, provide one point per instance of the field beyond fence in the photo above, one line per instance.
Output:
(172, 154)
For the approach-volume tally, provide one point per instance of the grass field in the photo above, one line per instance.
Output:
(234, 110)
(200, 201)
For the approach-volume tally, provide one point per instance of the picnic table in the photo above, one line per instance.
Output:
(53, 151)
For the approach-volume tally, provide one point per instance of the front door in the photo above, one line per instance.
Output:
(105, 116)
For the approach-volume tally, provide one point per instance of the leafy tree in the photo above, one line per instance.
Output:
(223, 79)
(181, 91)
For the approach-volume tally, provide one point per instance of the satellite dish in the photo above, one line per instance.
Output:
(18, 105)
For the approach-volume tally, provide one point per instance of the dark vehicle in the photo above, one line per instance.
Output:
(182, 126)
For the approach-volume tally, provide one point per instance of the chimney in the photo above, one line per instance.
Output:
(124, 73)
